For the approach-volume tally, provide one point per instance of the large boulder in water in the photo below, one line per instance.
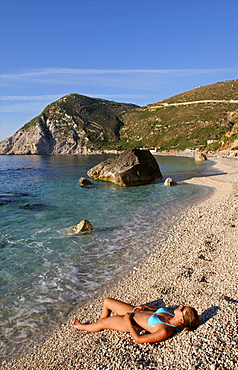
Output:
(132, 167)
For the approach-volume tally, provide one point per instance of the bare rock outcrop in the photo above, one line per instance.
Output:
(35, 140)
(132, 167)
(41, 138)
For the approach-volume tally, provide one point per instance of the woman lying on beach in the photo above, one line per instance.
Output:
(161, 324)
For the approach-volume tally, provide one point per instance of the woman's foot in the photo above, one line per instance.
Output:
(77, 324)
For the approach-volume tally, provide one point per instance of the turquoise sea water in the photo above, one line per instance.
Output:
(45, 270)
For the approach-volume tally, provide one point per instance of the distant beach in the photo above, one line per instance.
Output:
(197, 265)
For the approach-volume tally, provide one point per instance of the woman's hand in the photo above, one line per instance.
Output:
(127, 318)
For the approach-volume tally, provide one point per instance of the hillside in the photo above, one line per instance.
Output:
(226, 90)
(190, 119)
(205, 118)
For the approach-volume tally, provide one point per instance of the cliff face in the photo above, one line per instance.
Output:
(31, 141)
(74, 124)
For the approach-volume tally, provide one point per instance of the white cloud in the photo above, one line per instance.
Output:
(49, 74)
(105, 80)
(74, 71)
(30, 97)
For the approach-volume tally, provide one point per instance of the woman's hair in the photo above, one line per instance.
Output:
(191, 319)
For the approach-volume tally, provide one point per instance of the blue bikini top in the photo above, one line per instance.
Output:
(154, 319)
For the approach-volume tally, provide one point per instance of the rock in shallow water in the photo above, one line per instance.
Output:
(130, 168)
(170, 182)
(84, 225)
(85, 182)
(199, 157)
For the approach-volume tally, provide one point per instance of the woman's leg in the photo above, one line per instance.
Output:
(119, 307)
(113, 322)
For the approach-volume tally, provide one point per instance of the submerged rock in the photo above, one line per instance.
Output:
(11, 197)
(16, 169)
(170, 182)
(130, 168)
(84, 225)
(35, 207)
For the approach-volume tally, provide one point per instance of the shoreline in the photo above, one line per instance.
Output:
(197, 269)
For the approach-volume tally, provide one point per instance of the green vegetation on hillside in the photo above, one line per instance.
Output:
(177, 127)
(225, 90)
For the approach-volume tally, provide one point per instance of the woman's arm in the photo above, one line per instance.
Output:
(150, 308)
(143, 307)
(158, 336)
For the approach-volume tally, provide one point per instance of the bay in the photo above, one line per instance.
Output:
(44, 270)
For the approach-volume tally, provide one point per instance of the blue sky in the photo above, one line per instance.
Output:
(139, 51)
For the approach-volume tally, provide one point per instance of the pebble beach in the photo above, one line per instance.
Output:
(196, 264)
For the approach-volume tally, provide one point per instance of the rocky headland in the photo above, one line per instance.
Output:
(196, 264)
(74, 124)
